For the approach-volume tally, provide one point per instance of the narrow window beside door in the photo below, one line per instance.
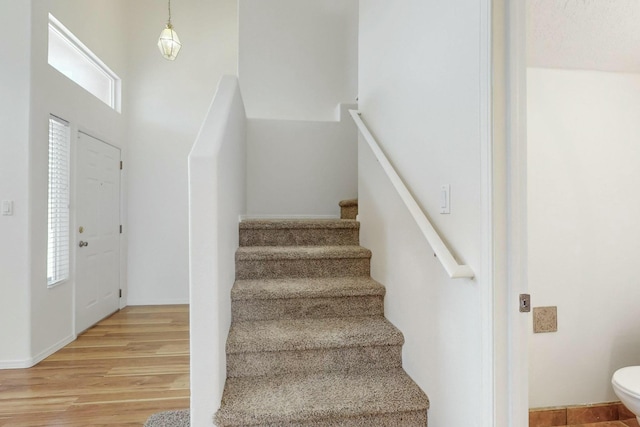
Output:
(58, 205)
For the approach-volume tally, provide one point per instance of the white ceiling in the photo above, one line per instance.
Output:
(584, 34)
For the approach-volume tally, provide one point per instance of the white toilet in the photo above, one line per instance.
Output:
(626, 385)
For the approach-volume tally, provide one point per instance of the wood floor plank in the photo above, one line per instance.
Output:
(117, 373)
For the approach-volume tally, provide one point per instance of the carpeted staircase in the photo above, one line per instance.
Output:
(309, 344)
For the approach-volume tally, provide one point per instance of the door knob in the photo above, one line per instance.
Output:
(83, 244)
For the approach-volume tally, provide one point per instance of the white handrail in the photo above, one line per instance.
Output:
(455, 270)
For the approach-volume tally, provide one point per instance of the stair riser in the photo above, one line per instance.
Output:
(299, 268)
(298, 308)
(348, 212)
(311, 347)
(404, 419)
(399, 419)
(323, 360)
(299, 237)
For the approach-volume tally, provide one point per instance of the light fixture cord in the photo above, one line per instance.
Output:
(169, 12)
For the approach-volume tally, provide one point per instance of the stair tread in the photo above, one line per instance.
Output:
(262, 224)
(309, 333)
(306, 288)
(348, 203)
(322, 396)
(250, 253)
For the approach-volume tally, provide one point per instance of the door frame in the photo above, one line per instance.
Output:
(509, 200)
(520, 324)
(76, 131)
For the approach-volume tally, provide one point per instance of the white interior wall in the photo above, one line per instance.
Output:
(160, 238)
(166, 107)
(217, 198)
(15, 346)
(297, 65)
(583, 34)
(426, 112)
(301, 168)
(298, 58)
(584, 205)
(52, 93)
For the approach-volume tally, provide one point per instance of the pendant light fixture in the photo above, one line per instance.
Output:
(169, 43)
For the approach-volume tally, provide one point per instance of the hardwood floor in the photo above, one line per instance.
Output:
(117, 373)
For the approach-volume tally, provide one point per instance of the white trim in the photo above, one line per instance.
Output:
(52, 349)
(115, 98)
(165, 301)
(257, 216)
(28, 363)
(509, 249)
(516, 191)
(442, 252)
(487, 300)
(498, 247)
(15, 364)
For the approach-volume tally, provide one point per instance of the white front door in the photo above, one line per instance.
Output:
(97, 235)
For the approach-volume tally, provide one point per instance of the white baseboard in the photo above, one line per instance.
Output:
(151, 301)
(258, 216)
(15, 364)
(28, 363)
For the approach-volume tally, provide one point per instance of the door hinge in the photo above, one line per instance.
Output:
(120, 164)
(525, 303)
(120, 228)
(120, 293)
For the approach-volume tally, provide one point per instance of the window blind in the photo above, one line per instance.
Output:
(58, 205)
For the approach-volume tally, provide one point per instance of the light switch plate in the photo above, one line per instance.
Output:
(445, 199)
(7, 207)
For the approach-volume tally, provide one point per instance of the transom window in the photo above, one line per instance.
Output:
(72, 58)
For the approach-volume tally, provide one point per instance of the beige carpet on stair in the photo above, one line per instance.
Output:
(309, 345)
(169, 419)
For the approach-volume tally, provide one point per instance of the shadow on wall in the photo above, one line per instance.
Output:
(625, 350)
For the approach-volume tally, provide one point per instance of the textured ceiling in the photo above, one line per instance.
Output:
(584, 34)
